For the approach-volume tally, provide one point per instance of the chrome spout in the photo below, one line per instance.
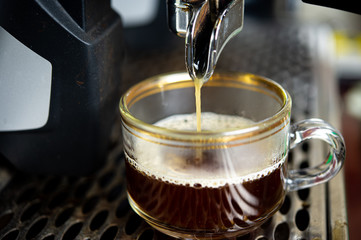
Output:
(207, 26)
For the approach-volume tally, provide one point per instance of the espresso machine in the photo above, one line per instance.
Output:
(207, 26)
(60, 64)
(60, 81)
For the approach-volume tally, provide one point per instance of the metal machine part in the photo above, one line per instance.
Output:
(25, 86)
(96, 207)
(60, 64)
(346, 5)
(207, 26)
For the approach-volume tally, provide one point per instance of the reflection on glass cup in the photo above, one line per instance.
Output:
(228, 179)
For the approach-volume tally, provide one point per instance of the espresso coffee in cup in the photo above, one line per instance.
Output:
(222, 199)
(228, 178)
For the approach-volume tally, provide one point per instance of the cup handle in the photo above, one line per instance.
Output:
(316, 129)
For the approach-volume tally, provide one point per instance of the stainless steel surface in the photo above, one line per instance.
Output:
(329, 107)
(95, 207)
(25, 82)
(179, 16)
(207, 26)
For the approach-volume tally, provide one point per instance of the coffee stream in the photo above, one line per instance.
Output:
(198, 85)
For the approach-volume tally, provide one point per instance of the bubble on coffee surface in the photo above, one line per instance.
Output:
(209, 121)
(215, 171)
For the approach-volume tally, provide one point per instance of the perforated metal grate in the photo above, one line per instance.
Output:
(96, 207)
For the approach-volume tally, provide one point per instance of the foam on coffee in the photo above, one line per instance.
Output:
(170, 168)
(209, 121)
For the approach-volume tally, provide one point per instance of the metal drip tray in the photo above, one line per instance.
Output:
(96, 207)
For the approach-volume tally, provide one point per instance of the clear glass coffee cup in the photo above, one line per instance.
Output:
(231, 177)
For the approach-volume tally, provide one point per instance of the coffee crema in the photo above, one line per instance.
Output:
(210, 198)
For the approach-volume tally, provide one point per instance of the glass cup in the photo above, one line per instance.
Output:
(223, 182)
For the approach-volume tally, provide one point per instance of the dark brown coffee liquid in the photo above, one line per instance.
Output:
(202, 208)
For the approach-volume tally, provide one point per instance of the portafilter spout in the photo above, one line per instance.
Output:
(207, 26)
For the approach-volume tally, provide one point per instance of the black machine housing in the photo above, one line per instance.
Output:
(84, 43)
